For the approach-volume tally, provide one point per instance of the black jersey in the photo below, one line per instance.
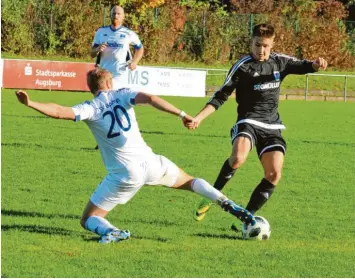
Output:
(257, 85)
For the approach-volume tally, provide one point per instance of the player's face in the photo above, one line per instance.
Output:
(117, 16)
(261, 47)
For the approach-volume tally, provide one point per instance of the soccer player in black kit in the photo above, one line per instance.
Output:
(256, 78)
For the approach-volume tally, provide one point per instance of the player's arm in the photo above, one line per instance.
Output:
(97, 45)
(217, 99)
(50, 109)
(97, 49)
(138, 54)
(301, 67)
(162, 105)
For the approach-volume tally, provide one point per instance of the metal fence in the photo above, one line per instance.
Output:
(346, 77)
(222, 72)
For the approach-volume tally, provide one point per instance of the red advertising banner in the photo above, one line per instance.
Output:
(50, 75)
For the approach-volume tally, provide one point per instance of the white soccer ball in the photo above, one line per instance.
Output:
(265, 230)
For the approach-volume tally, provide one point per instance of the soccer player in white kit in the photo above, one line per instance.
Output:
(129, 161)
(111, 46)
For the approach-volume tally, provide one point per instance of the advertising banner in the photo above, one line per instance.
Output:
(167, 82)
(1, 71)
(71, 76)
(51, 75)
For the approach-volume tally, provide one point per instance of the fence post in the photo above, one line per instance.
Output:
(345, 86)
(306, 89)
(204, 25)
(155, 14)
(51, 16)
(251, 23)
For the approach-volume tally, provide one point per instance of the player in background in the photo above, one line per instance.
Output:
(129, 161)
(111, 47)
(256, 78)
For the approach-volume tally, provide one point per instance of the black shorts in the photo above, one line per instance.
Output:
(265, 140)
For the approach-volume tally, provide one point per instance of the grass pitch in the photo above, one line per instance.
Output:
(50, 169)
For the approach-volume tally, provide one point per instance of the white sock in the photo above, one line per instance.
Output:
(98, 225)
(203, 188)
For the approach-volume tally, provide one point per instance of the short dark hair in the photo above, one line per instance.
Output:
(264, 30)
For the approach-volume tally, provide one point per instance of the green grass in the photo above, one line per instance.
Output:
(49, 170)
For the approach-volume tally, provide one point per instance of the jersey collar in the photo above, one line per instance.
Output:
(114, 30)
(265, 61)
(98, 94)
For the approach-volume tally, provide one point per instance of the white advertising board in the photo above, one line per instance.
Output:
(167, 82)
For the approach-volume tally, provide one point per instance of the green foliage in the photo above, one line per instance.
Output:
(78, 23)
(188, 30)
(50, 168)
(350, 44)
(53, 44)
(16, 34)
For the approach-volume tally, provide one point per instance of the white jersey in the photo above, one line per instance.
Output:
(115, 56)
(111, 118)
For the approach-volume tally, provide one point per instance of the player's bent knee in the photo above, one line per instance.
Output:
(274, 177)
(184, 181)
(236, 161)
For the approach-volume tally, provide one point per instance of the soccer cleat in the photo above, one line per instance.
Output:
(241, 213)
(201, 210)
(115, 236)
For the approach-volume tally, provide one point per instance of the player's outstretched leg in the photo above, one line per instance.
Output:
(225, 174)
(93, 220)
(203, 188)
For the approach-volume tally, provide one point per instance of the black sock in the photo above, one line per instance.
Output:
(225, 174)
(260, 195)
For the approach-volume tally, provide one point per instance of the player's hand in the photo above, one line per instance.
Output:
(192, 125)
(23, 97)
(319, 64)
(101, 47)
(187, 119)
(132, 66)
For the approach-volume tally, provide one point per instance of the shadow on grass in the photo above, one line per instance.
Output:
(213, 235)
(37, 214)
(328, 143)
(153, 222)
(38, 229)
(132, 238)
(90, 238)
(157, 238)
(33, 145)
(25, 116)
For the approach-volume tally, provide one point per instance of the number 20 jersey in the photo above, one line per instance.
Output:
(112, 120)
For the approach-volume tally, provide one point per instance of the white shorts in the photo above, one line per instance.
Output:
(119, 188)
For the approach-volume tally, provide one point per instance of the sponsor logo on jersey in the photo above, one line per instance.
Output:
(122, 36)
(114, 45)
(266, 86)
